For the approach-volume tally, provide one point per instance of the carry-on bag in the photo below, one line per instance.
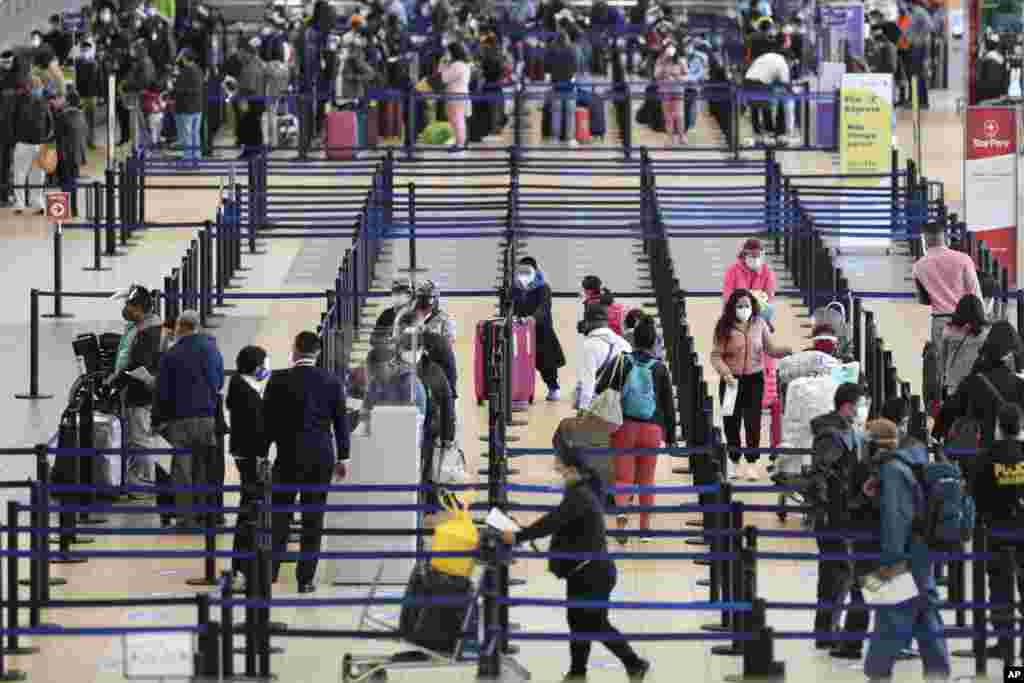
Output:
(524, 353)
(435, 627)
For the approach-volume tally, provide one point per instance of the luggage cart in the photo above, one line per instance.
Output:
(375, 668)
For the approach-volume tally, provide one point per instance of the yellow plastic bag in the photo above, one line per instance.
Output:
(457, 534)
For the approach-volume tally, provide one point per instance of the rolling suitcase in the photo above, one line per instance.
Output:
(583, 126)
(391, 120)
(524, 351)
(341, 135)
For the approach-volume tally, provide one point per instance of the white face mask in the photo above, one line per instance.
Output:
(36, 42)
(410, 357)
(743, 313)
(861, 417)
(754, 262)
(670, 51)
(524, 280)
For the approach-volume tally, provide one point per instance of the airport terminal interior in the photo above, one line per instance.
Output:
(582, 216)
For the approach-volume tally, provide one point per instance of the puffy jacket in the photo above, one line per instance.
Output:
(744, 352)
(740, 277)
(252, 81)
(836, 447)
(599, 348)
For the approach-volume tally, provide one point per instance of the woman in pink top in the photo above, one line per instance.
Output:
(742, 342)
(455, 74)
(670, 73)
(750, 272)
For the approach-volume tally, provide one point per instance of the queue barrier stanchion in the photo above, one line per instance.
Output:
(759, 652)
(33, 349)
(96, 190)
(208, 522)
(13, 603)
(208, 654)
(227, 633)
(979, 648)
(58, 275)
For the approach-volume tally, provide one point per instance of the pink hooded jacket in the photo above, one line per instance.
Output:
(740, 277)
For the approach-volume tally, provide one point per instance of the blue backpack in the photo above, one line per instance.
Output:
(639, 399)
(944, 512)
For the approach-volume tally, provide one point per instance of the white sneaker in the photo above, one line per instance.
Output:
(574, 143)
(734, 470)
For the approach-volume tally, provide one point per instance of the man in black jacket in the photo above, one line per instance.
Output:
(561, 63)
(836, 450)
(8, 85)
(135, 376)
(304, 403)
(188, 106)
(252, 89)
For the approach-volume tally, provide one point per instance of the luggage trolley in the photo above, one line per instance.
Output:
(375, 668)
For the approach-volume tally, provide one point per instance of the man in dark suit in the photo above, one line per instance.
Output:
(301, 405)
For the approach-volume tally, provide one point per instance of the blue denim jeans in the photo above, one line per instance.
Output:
(895, 627)
(563, 103)
(190, 137)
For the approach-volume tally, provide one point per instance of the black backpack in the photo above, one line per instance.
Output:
(33, 124)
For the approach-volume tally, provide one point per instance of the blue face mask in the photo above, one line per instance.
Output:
(37, 92)
(262, 373)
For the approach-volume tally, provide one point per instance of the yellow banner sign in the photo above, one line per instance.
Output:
(865, 126)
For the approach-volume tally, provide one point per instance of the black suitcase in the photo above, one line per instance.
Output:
(598, 116)
(435, 627)
(932, 386)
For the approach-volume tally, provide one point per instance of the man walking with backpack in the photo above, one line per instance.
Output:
(905, 548)
(649, 422)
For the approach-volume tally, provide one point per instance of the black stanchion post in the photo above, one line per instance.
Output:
(97, 231)
(58, 274)
(413, 264)
(13, 602)
(208, 520)
(208, 656)
(627, 134)
(110, 215)
(732, 583)
(979, 646)
(123, 192)
(43, 501)
(518, 115)
(410, 123)
(33, 581)
(227, 633)
(33, 349)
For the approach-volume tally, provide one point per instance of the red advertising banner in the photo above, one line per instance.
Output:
(990, 181)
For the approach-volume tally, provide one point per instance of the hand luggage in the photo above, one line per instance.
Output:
(391, 119)
(587, 431)
(341, 130)
(932, 387)
(524, 352)
(435, 627)
(598, 117)
(583, 126)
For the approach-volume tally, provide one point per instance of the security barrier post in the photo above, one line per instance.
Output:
(110, 215)
(97, 232)
(33, 349)
(13, 648)
(227, 634)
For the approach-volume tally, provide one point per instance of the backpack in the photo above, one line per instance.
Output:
(944, 512)
(34, 122)
(639, 398)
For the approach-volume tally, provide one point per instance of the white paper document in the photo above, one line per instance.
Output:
(143, 375)
(729, 399)
(898, 589)
(496, 519)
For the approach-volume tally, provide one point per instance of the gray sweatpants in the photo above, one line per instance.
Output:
(198, 434)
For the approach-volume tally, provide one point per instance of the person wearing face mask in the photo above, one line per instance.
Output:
(392, 380)
(135, 370)
(531, 297)
(248, 443)
(401, 301)
(436, 319)
(670, 73)
(593, 291)
(310, 429)
(26, 172)
(992, 383)
(962, 341)
(601, 348)
(742, 342)
(836, 450)
(943, 276)
(750, 272)
(577, 526)
(89, 83)
(185, 412)
(997, 485)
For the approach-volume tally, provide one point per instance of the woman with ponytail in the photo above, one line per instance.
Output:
(577, 526)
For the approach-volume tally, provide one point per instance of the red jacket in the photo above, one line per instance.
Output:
(616, 314)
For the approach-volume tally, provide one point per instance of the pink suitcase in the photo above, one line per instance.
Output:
(341, 135)
(524, 354)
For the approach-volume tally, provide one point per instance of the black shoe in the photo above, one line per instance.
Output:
(638, 671)
(824, 645)
(999, 650)
(307, 587)
(845, 653)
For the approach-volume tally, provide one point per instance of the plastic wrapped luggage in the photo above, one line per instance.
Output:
(435, 627)
(341, 135)
(806, 399)
(524, 352)
(805, 364)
